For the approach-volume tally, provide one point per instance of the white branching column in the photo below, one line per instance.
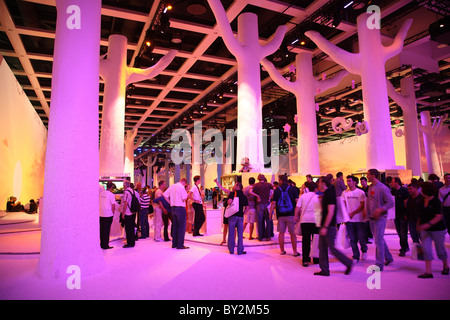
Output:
(429, 131)
(130, 146)
(305, 88)
(248, 52)
(70, 226)
(370, 64)
(117, 76)
(407, 101)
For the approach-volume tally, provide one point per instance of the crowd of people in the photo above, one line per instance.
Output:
(317, 211)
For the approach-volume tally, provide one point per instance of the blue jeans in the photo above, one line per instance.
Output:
(236, 223)
(382, 251)
(327, 244)
(178, 226)
(264, 223)
(357, 232)
(143, 221)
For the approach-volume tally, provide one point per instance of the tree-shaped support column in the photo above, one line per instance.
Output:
(305, 89)
(369, 63)
(130, 146)
(70, 224)
(248, 52)
(429, 131)
(117, 76)
(407, 101)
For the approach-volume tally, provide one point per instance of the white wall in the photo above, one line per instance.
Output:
(23, 139)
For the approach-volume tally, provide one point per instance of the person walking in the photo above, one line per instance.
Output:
(444, 197)
(328, 230)
(177, 196)
(432, 228)
(354, 200)
(379, 200)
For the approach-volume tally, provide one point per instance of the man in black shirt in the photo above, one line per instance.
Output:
(285, 212)
(328, 230)
(414, 205)
(401, 223)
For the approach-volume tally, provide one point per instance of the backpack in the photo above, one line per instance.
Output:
(135, 205)
(284, 202)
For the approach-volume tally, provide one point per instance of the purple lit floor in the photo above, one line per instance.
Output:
(153, 270)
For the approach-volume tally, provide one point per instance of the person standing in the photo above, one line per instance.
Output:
(262, 192)
(328, 230)
(444, 197)
(432, 228)
(107, 208)
(414, 205)
(143, 214)
(354, 199)
(401, 222)
(250, 214)
(236, 221)
(158, 215)
(198, 205)
(340, 186)
(128, 215)
(285, 199)
(162, 204)
(379, 200)
(305, 210)
(177, 196)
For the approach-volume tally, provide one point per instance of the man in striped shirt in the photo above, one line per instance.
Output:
(143, 214)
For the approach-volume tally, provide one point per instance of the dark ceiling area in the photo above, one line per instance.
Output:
(200, 83)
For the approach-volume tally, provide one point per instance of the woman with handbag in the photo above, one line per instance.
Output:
(236, 220)
(307, 204)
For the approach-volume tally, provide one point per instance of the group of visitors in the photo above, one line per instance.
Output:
(317, 211)
(12, 205)
(167, 204)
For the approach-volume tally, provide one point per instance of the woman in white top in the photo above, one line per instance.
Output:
(305, 212)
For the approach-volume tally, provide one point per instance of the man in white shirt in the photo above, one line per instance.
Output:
(197, 204)
(107, 207)
(354, 200)
(177, 196)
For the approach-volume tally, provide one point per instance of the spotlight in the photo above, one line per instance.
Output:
(176, 38)
(348, 4)
(149, 42)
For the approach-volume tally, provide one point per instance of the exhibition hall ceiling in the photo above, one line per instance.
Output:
(200, 83)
